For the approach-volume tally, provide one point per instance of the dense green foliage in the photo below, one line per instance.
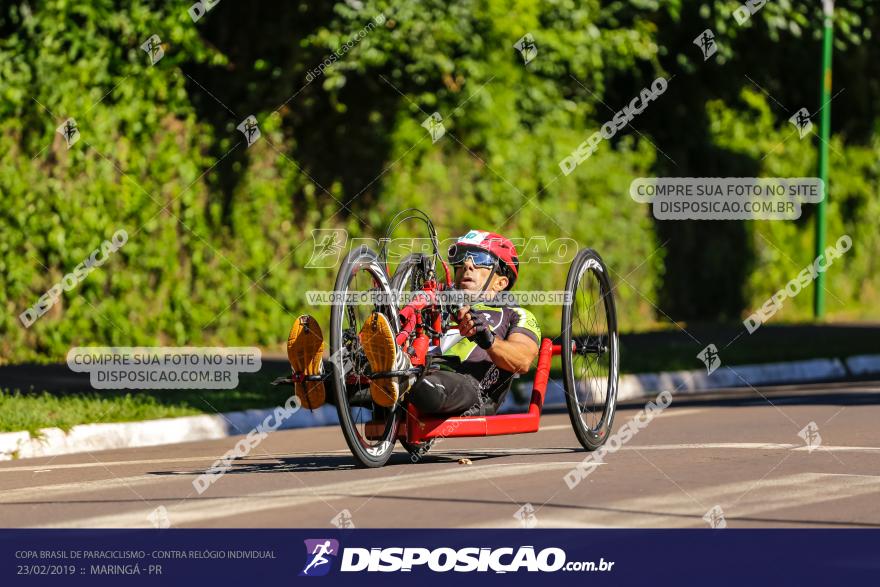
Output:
(219, 233)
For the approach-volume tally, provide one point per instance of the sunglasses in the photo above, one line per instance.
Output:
(478, 258)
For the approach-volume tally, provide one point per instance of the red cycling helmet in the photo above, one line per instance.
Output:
(498, 246)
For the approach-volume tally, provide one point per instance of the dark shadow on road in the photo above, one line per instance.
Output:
(320, 463)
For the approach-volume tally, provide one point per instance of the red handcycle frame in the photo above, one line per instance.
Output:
(417, 427)
(420, 428)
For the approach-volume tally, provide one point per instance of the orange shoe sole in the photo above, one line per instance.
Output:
(377, 340)
(305, 347)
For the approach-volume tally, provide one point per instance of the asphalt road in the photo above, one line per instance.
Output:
(742, 459)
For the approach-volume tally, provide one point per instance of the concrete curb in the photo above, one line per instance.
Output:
(689, 382)
(647, 385)
(863, 364)
(93, 437)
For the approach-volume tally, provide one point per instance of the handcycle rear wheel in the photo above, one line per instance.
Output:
(369, 430)
(590, 357)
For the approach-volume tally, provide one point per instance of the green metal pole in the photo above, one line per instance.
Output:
(824, 134)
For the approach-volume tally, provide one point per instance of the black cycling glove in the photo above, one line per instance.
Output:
(483, 335)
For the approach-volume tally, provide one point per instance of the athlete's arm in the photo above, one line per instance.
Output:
(515, 353)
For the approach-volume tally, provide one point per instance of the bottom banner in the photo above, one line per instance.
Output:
(180, 557)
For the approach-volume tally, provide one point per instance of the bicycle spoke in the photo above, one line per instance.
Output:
(590, 330)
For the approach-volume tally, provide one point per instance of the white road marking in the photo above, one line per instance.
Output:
(679, 412)
(714, 445)
(50, 492)
(196, 510)
(750, 445)
(842, 448)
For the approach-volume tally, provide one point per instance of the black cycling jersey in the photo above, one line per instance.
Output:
(503, 320)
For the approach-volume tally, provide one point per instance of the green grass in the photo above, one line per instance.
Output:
(29, 411)
(32, 410)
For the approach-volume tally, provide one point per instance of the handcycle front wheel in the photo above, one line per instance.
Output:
(590, 356)
(369, 429)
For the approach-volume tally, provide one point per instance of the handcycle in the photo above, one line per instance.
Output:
(588, 347)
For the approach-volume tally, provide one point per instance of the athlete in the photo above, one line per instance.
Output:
(498, 341)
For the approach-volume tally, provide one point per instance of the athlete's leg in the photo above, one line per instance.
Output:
(305, 346)
(448, 392)
(383, 354)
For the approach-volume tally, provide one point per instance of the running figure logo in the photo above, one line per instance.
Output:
(527, 48)
(70, 131)
(328, 243)
(317, 552)
(810, 435)
(153, 48)
(526, 516)
(250, 130)
(801, 121)
(434, 125)
(343, 520)
(710, 358)
(715, 517)
(706, 42)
